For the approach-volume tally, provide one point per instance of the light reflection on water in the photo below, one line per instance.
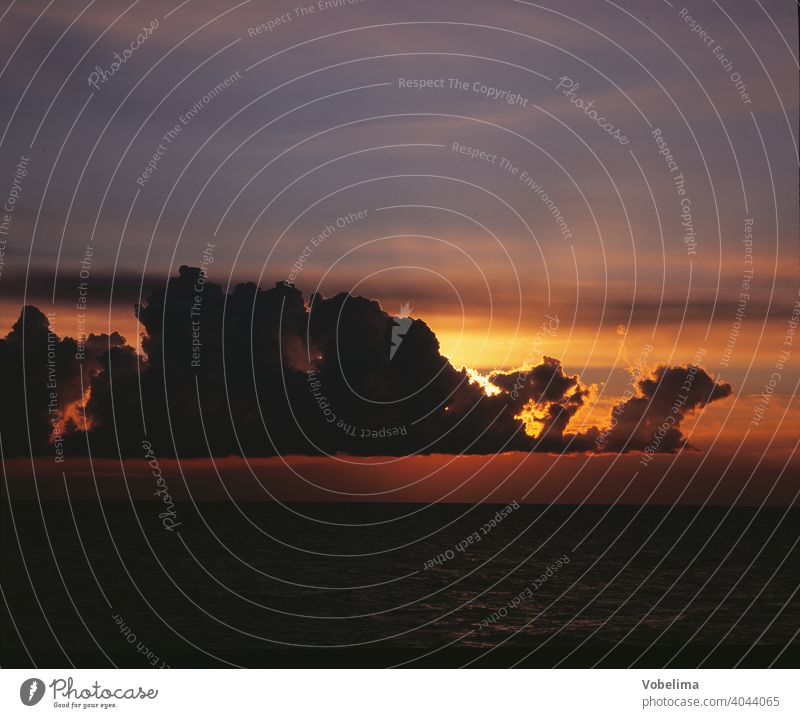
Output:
(621, 584)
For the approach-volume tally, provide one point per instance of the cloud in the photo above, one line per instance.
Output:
(650, 422)
(263, 372)
(40, 381)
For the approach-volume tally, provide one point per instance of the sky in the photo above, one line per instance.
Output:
(490, 198)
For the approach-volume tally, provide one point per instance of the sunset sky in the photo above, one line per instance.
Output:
(313, 141)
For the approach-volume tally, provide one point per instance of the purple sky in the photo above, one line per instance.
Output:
(314, 125)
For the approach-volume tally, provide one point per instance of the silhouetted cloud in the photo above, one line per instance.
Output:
(651, 421)
(40, 382)
(263, 372)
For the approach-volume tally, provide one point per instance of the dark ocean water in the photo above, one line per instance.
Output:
(358, 584)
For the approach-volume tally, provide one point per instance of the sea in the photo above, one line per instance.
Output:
(91, 584)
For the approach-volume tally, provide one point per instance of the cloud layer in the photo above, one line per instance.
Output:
(263, 372)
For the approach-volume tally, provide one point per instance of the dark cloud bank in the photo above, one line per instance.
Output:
(261, 372)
